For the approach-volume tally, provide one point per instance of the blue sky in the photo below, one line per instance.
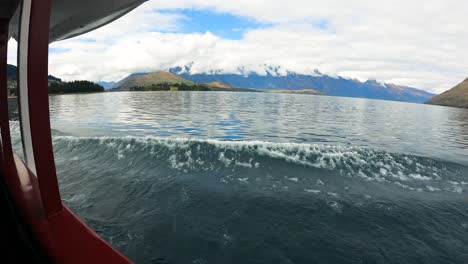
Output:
(222, 24)
(225, 25)
(58, 50)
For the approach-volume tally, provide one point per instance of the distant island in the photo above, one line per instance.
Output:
(455, 97)
(304, 91)
(170, 87)
(166, 81)
(74, 87)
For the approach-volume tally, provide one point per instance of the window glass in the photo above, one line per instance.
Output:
(13, 97)
(218, 133)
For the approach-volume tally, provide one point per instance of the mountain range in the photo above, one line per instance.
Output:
(276, 78)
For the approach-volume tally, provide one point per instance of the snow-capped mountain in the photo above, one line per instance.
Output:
(265, 77)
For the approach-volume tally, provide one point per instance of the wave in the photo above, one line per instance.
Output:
(135, 190)
(251, 158)
(290, 162)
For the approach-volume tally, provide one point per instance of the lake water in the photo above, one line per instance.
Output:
(218, 177)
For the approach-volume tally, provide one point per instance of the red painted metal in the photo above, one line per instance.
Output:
(38, 48)
(61, 234)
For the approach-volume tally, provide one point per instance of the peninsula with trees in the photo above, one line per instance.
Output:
(56, 85)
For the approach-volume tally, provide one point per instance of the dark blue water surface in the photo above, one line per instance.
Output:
(214, 177)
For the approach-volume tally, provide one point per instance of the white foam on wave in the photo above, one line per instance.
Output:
(457, 189)
(293, 179)
(76, 199)
(244, 180)
(408, 172)
(335, 206)
(312, 191)
(432, 189)
(420, 177)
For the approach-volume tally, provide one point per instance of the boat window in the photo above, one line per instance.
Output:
(233, 133)
(13, 98)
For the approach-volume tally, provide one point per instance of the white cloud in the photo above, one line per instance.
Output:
(416, 43)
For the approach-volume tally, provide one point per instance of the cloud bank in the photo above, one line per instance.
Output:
(415, 43)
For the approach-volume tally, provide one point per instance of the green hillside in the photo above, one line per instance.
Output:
(11, 72)
(165, 81)
(147, 80)
(455, 97)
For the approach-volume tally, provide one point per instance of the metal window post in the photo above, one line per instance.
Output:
(34, 100)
